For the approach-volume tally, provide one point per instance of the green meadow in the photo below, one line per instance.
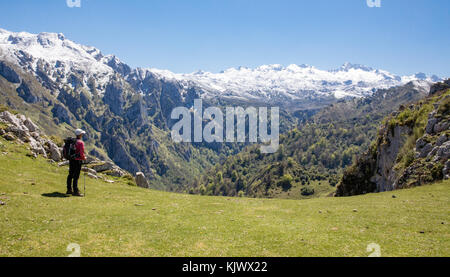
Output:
(117, 219)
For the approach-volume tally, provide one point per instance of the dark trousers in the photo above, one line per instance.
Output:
(74, 174)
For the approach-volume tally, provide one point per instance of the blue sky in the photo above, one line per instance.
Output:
(403, 36)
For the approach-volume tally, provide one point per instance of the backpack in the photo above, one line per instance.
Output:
(69, 150)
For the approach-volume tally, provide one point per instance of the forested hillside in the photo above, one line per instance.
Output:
(311, 158)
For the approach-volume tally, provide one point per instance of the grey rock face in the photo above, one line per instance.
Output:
(116, 172)
(26, 94)
(441, 140)
(114, 97)
(429, 129)
(118, 66)
(385, 175)
(424, 151)
(446, 170)
(141, 181)
(61, 113)
(103, 167)
(90, 159)
(440, 86)
(420, 143)
(10, 118)
(30, 125)
(53, 151)
(442, 152)
(36, 147)
(8, 73)
(440, 127)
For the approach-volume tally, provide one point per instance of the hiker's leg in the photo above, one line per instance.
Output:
(76, 175)
(70, 176)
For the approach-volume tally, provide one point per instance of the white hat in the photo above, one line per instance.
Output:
(79, 132)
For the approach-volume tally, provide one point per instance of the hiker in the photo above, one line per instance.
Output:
(75, 162)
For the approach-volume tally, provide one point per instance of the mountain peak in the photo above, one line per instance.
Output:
(347, 66)
(265, 83)
(270, 67)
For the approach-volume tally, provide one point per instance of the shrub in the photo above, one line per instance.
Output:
(202, 190)
(286, 181)
(57, 140)
(436, 171)
(307, 191)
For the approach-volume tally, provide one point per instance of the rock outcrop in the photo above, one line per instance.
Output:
(141, 181)
(22, 129)
(412, 149)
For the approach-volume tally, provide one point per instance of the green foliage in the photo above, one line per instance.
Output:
(307, 191)
(57, 140)
(317, 150)
(357, 178)
(444, 107)
(4, 108)
(286, 182)
(436, 171)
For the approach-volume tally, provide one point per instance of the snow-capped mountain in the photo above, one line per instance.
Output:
(68, 63)
(56, 55)
(293, 81)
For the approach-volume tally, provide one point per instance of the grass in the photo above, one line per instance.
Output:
(121, 220)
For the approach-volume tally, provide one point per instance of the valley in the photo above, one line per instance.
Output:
(126, 112)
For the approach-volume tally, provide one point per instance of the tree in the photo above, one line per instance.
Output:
(219, 177)
(234, 176)
(286, 181)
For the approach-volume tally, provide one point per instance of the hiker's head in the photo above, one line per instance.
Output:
(79, 133)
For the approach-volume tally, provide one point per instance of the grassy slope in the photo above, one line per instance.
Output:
(109, 223)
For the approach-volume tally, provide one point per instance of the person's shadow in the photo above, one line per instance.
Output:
(55, 195)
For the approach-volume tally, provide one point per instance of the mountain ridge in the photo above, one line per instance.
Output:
(126, 112)
(274, 84)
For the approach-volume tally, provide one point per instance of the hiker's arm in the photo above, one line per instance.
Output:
(81, 151)
(83, 156)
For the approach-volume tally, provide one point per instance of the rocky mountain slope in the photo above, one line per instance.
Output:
(63, 85)
(291, 86)
(412, 148)
(54, 58)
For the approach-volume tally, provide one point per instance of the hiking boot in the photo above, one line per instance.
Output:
(78, 194)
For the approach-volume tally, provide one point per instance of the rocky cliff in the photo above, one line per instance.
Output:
(412, 148)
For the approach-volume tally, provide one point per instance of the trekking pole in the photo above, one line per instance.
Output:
(84, 184)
